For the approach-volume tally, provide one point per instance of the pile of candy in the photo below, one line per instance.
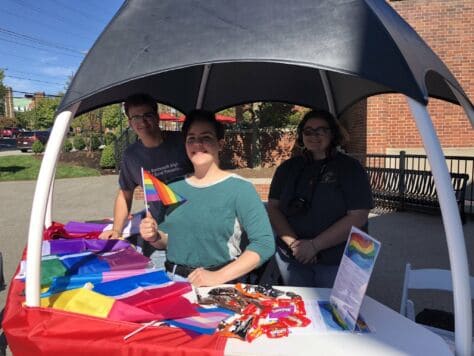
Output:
(260, 310)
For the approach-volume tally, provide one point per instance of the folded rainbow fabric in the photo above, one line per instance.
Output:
(51, 267)
(126, 287)
(87, 302)
(78, 227)
(153, 292)
(145, 297)
(204, 323)
(131, 227)
(62, 283)
(64, 246)
(89, 262)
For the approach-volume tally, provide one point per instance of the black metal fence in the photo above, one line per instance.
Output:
(401, 162)
(417, 162)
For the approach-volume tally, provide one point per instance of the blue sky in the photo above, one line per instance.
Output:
(43, 42)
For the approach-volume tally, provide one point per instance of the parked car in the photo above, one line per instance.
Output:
(9, 132)
(25, 139)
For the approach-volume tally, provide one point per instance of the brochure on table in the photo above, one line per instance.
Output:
(353, 278)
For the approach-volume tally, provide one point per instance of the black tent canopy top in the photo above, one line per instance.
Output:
(216, 54)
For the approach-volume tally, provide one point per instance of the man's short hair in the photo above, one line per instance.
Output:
(140, 99)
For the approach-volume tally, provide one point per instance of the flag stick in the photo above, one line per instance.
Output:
(144, 326)
(144, 191)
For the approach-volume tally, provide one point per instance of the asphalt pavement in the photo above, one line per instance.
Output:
(406, 236)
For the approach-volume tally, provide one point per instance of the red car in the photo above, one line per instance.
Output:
(25, 139)
(10, 132)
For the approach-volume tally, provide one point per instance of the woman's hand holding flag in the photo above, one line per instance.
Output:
(149, 232)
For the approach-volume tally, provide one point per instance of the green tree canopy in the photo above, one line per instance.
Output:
(25, 119)
(112, 115)
(268, 114)
(274, 115)
(44, 112)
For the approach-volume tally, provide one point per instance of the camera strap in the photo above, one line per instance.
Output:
(312, 183)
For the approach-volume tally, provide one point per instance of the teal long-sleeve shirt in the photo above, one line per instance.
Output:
(207, 229)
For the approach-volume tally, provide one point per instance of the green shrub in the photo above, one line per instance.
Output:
(109, 138)
(37, 147)
(79, 143)
(67, 146)
(107, 158)
(94, 142)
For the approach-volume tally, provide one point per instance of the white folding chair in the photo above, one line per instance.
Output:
(428, 278)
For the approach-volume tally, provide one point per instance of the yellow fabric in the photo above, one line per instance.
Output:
(81, 300)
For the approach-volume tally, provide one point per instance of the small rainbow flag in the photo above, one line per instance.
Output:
(156, 190)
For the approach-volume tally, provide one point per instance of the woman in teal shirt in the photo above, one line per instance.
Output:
(203, 235)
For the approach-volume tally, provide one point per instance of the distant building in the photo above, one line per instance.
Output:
(9, 110)
(26, 103)
(22, 104)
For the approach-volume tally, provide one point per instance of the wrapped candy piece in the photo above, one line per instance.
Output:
(258, 292)
(275, 330)
(295, 320)
(237, 326)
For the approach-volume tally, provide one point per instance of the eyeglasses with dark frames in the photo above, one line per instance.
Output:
(146, 116)
(319, 131)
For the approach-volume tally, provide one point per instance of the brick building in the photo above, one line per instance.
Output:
(384, 124)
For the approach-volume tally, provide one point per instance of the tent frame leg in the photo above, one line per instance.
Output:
(452, 226)
(42, 195)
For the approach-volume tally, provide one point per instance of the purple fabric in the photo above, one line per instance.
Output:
(80, 245)
(125, 259)
(82, 227)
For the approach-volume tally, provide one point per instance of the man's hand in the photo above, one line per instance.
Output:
(149, 228)
(304, 251)
(109, 234)
(201, 277)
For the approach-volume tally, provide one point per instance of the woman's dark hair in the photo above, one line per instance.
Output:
(140, 99)
(338, 134)
(203, 116)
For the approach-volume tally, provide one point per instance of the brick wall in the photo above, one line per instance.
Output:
(276, 146)
(447, 27)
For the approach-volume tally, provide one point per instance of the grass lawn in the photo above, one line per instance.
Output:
(27, 168)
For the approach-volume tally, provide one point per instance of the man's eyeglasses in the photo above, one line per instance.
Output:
(146, 116)
(320, 131)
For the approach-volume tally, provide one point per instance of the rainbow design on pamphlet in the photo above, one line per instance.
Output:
(361, 245)
(156, 190)
(361, 250)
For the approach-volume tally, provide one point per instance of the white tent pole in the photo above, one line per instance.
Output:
(203, 86)
(452, 227)
(464, 103)
(328, 91)
(48, 219)
(40, 199)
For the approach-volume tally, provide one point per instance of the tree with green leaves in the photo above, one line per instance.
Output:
(275, 115)
(112, 116)
(44, 112)
(25, 119)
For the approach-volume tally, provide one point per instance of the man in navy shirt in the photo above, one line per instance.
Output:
(162, 155)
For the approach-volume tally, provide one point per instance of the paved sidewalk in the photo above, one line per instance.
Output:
(405, 236)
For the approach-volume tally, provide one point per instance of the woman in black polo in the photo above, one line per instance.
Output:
(314, 200)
